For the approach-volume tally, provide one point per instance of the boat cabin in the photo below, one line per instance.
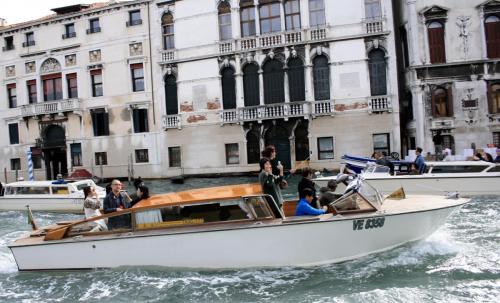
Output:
(214, 208)
(443, 167)
(30, 188)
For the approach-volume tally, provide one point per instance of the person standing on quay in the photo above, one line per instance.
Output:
(419, 161)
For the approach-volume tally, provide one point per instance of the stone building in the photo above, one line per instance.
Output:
(315, 78)
(449, 54)
(193, 87)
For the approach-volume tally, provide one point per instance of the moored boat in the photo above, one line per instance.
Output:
(467, 177)
(234, 227)
(46, 195)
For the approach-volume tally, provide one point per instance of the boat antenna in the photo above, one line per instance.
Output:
(30, 219)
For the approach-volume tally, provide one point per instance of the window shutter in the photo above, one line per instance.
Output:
(106, 123)
(492, 33)
(11, 85)
(94, 122)
(31, 82)
(95, 72)
(296, 83)
(228, 89)
(436, 45)
(136, 66)
(433, 103)
(449, 101)
(171, 95)
(251, 85)
(71, 76)
(274, 86)
(136, 118)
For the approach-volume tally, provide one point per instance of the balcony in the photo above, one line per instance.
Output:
(379, 104)
(28, 43)
(51, 107)
(374, 26)
(226, 46)
(93, 30)
(273, 40)
(171, 121)
(69, 35)
(133, 22)
(8, 47)
(167, 56)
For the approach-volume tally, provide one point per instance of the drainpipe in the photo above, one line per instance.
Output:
(151, 65)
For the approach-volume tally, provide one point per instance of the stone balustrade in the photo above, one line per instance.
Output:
(373, 26)
(171, 121)
(50, 107)
(379, 104)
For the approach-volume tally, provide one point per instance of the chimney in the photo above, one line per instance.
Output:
(3, 22)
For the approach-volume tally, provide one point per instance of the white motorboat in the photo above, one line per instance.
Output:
(467, 177)
(46, 195)
(234, 227)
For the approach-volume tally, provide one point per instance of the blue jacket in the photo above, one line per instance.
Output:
(305, 209)
(420, 164)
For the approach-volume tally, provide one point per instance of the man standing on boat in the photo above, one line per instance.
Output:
(419, 161)
(117, 200)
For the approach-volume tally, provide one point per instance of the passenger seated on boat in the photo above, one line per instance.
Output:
(59, 180)
(327, 194)
(304, 208)
(91, 206)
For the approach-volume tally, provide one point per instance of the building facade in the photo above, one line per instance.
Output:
(163, 88)
(449, 55)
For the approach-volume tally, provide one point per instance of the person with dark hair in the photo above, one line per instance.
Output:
(478, 157)
(489, 157)
(419, 161)
(270, 184)
(138, 182)
(306, 182)
(91, 207)
(270, 153)
(327, 194)
(304, 208)
(497, 159)
(141, 194)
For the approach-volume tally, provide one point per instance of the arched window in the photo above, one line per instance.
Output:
(292, 14)
(228, 88)
(377, 67)
(247, 18)
(372, 9)
(296, 80)
(442, 103)
(437, 51)
(492, 32)
(494, 98)
(316, 13)
(171, 95)
(270, 20)
(167, 24)
(301, 142)
(321, 73)
(274, 85)
(251, 85)
(253, 147)
(225, 31)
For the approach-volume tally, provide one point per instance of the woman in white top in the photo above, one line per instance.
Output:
(91, 207)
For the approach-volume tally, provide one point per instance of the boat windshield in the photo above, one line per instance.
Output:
(370, 193)
(80, 185)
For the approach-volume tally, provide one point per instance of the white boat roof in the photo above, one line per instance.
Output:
(43, 183)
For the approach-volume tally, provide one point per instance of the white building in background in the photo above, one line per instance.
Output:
(194, 87)
(315, 78)
(451, 51)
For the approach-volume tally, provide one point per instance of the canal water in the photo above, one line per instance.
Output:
(458, 263)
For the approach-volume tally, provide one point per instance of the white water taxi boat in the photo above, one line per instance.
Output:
(46, 195)
(234, 227)
(467, 177)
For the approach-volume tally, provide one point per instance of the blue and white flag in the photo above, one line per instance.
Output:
(30, 166)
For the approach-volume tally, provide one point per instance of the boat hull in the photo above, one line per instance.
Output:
(430, 184)
(275, 245)
(50, 204)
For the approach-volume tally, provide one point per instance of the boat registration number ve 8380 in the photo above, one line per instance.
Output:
(361, 224)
